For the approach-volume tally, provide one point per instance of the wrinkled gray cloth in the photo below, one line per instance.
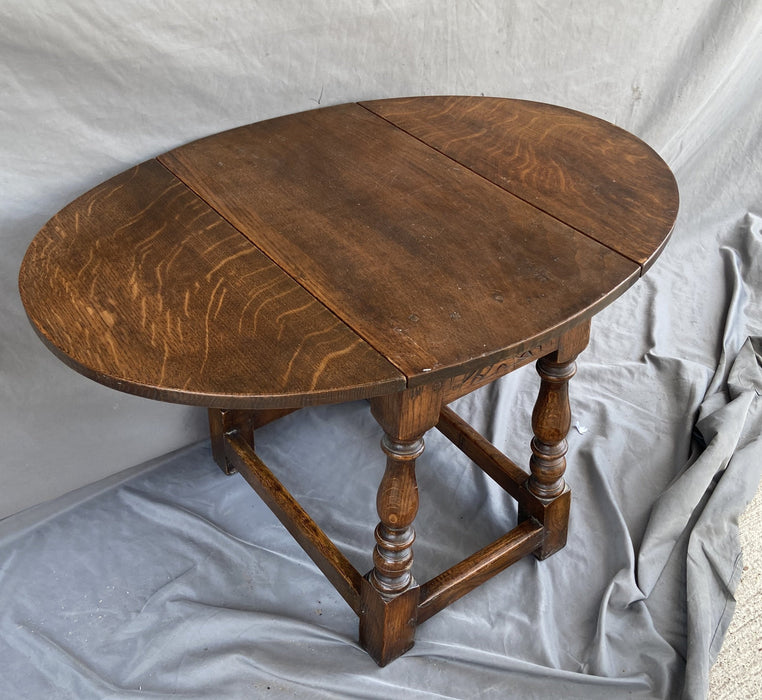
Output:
(179, 582)
(176, 581)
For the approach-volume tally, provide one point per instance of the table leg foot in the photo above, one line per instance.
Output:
(553, 515)
(387, 623)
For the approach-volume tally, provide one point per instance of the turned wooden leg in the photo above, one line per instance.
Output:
(390, 594)
(551, 419)
(397, 504)
(222, 421)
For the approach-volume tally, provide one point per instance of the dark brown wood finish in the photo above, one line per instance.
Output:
(406, 251)
(224, 421)
(329, 559)
(461, 384)
(387, 624)
(405, 417)
(503, 471)
(434, 266)
(457, 581)
(551, 420)
(597, 178)
(390, 594)
(141, 286)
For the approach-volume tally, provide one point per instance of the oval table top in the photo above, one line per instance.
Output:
(348, 251)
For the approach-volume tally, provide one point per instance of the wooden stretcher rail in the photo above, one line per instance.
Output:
(336, 567)
(484, 454)
(462, 578)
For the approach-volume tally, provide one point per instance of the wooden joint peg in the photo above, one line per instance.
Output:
(551, 420)
(222, 422)
(552, 514)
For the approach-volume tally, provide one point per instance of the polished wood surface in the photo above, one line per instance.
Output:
(141, 286)
(406, 251)
(433, 265)
(597, 178)
(348, 251)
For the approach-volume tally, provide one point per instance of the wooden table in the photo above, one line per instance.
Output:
(406, 251)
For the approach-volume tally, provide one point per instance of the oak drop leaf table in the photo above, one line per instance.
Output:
(405, 251)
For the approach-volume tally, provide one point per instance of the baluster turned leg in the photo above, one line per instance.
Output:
(551, 420)
(390, 594)
(397, 504)
(548, 497)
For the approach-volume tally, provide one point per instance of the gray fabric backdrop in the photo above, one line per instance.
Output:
(178, 581)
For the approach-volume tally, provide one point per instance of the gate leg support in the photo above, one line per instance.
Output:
(225, 420)
(222, 421)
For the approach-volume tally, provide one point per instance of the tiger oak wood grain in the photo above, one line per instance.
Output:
(438, 269)
(326, 555)
(141, 286)
(588, 173)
